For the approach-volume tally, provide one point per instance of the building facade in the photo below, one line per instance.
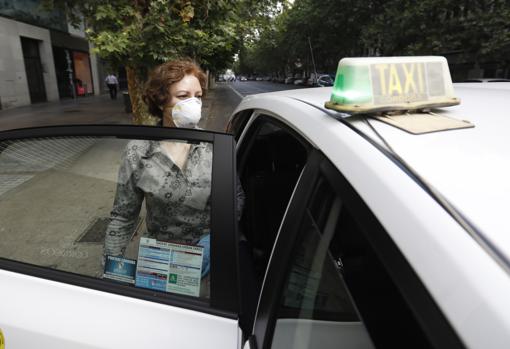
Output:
(42, 57)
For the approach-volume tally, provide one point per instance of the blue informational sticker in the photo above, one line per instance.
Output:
(120, 269)
(169, 267)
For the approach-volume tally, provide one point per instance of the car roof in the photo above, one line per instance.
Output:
(469, 167)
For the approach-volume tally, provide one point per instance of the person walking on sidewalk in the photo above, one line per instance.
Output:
(112, 82)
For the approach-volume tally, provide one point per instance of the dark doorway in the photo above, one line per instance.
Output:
(34, 70)
(64, 70)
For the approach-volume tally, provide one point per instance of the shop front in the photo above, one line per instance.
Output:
(72, 65)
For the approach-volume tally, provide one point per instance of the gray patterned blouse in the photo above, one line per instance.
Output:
(177, 202)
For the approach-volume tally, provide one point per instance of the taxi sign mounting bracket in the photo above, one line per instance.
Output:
(422, 122)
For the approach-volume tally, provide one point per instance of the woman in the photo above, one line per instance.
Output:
(174, 178)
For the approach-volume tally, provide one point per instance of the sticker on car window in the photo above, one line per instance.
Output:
(120, 269)
(169, 267)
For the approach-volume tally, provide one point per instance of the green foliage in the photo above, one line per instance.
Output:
(144, 33)
(472, 30)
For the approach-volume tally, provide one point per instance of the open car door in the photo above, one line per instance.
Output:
(64, 189)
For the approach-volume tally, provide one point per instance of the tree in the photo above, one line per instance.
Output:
(471, 30)
(140, 34)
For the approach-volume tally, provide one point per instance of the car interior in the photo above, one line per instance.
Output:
(270, 162)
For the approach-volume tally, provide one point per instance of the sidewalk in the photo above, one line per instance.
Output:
(83, 110)
(217, 108)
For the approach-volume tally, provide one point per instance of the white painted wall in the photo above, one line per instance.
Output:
(95, 72)
(13, 80)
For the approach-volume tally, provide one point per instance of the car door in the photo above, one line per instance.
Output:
(60, 191)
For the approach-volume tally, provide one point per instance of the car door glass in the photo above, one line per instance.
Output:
(271, 162)
(316, 310)
(339, 291)
(238, 123)
(129, 211)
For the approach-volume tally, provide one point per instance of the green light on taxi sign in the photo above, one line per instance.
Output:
(375, 84)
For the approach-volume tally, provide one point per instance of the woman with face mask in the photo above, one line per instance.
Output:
(174, 178)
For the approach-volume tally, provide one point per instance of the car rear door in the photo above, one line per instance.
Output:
(58, 187)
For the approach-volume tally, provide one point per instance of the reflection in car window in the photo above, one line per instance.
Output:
(316, 305)
(338, 289)
(61, 199)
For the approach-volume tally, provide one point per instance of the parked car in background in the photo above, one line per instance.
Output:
(289, 80)
(299, 81)
(324, 80)
(320, 80)
(486, 80)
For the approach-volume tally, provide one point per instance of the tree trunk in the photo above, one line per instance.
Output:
(141, 115)
(211, 82)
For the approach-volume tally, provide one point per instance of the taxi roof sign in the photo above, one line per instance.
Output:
(377, 84)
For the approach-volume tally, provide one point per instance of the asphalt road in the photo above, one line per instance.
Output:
(221, 101)
(244, 88)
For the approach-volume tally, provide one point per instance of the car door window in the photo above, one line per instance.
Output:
(238, 123)
(129, 212)
(75, 204)
(271, 158)
(347, 284)
(316, 305)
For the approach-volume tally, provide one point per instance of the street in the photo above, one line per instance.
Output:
(218, 105)
(244, 88)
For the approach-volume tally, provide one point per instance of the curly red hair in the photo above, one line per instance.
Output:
(157, 87)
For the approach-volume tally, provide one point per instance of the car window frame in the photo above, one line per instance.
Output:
(426, 311)
(428, 314)
(274, 279)
(255, 122)
(238, 122)
(224, 296)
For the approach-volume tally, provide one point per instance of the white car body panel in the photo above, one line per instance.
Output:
(470, 167)
(303, 333)
(39, 313)
(467, 283)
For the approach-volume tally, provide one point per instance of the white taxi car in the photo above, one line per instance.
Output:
(374, 217)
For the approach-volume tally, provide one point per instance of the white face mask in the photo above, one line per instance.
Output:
(187, 113)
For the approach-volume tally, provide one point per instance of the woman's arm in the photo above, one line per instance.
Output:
(127, 204)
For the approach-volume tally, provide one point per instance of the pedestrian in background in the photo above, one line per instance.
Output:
(112, 82)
